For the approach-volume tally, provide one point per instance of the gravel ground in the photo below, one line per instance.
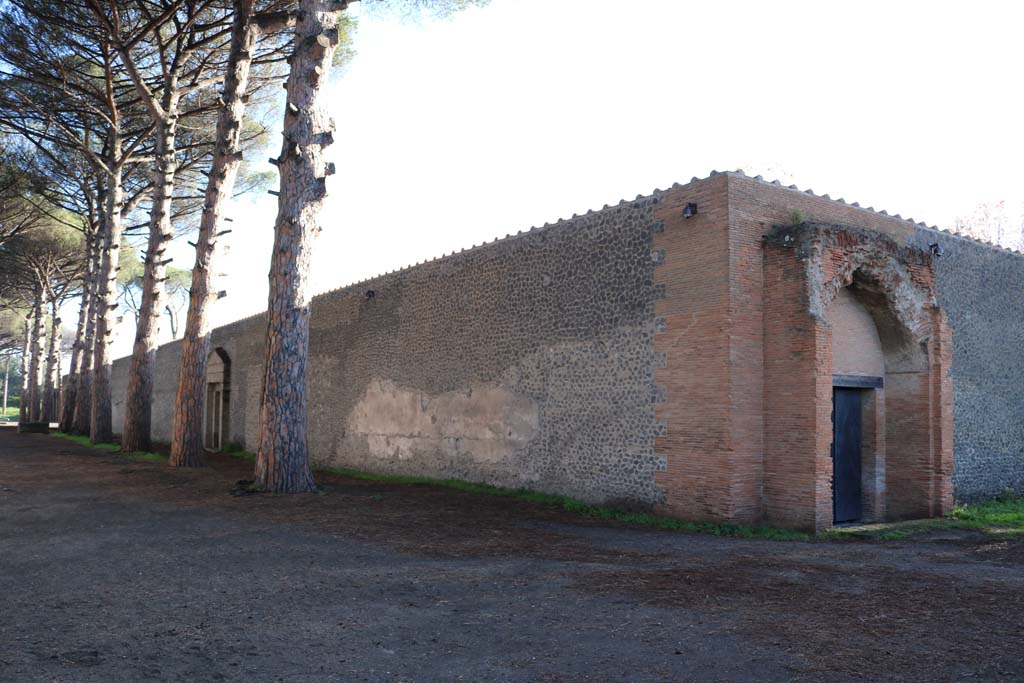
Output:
(113, 570)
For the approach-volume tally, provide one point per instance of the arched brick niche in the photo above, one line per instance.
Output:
(856, 346)
(218, 400)
(822, 281)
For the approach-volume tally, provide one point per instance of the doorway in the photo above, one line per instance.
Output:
(847, 441)
(214, 416)
(218, 392)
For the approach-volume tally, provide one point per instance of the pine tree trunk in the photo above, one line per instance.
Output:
(282, 463)
(35, 368)
(69, 393)
(49, 408)
(26, 352)
(139, 401)
(190, 401)
(82, 419)
(100, 413)
(7, 380)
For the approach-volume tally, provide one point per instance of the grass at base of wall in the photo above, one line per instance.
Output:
(999, 517)
(586, 509)
(1004, 515)
(236, 451)
(138, 456)
(578, 507)
(84, 441)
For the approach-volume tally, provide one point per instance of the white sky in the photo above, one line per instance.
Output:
(522, 112)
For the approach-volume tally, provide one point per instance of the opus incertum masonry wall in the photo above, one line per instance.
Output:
(527, 362)
(981, 289)
(635, 357)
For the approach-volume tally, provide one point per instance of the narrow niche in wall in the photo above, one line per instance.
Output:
(218, 393)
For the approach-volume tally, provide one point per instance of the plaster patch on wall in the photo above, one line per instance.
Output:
(484, 423)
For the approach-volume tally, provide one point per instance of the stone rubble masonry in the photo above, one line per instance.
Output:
(527, 362)
(981, 289)
(621, 357)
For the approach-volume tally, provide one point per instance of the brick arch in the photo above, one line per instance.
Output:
(884, 284)
(805, 268)
(218, 399)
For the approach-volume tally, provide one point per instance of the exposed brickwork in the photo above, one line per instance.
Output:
(856, 348)
(794, 353)
(897, 283)
(695, 373)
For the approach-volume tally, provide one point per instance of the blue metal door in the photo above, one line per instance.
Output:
(846, 446)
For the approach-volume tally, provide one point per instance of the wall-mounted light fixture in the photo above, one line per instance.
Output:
(221, 294)
(936, 249)
(690, 211)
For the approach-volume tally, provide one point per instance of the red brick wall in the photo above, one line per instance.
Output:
(856, 348)
(747, 368)
(695, 376)
(794, 361)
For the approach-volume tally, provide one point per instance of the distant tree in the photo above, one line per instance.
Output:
(16, 209)
(63, 88)
(994, 222)
(42, 266)
(130, 279)
(176, 285)
(12, 334)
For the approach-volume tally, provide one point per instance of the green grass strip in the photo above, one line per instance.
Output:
(236, 451)
(137, 456)
(1003, 515)
(84, 441)
(569, 504)
(584, 509)
(999, 517)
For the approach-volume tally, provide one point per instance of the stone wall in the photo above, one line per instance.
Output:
(527, 362)
(981, 289)
(617, 357)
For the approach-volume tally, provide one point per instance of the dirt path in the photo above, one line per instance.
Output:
(112, 570)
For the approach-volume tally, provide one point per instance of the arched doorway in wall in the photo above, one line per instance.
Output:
(906, 416)
(881, 415)
(218, 393)
(858, 381)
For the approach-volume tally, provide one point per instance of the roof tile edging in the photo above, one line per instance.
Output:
(871, 209)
